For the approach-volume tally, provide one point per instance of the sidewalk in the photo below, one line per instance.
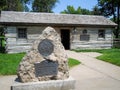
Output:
(6, 82)
(94, 74)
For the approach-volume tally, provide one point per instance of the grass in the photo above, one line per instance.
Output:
(91, 50)
(9, 63)
(73, 62)
(109, 55)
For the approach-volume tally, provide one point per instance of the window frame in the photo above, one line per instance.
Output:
(22, 34)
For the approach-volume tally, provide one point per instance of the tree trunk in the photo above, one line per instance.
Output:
(113, 11)
(114, 16)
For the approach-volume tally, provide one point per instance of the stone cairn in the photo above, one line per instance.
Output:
(47, 59)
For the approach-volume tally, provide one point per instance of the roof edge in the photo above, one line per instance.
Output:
(54, 24)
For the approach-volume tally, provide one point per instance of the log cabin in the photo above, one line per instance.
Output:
(76, 31)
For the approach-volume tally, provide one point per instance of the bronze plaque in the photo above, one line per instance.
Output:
(46, 68)
(45, 47)
(84, 37)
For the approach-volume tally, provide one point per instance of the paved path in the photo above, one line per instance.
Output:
(92, 74)
(6, 82)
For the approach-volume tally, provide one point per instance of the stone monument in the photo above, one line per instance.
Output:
(46, 62)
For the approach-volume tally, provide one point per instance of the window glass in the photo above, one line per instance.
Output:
(22, 33)
(84, 31)
(101, 33)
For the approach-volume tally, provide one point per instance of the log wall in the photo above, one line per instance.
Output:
(94, 41)
(15, 45)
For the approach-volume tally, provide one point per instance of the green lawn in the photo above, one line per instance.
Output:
(109, 55)
(10, 62)
(73, 62)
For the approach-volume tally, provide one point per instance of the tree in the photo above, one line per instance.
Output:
(79, 10)
(43, 5)
(71, 10)
(25, 4)
(13, 5)
(2, 4)
(107, 7)
(111, 8)
(85, 12)
(96, 11)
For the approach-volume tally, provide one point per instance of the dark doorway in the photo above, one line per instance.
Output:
(65, 38)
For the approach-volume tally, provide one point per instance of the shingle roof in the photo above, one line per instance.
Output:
(51, 18)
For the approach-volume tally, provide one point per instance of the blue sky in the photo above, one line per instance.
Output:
(62, 4)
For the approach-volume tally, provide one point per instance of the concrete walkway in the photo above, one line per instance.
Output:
(6, 82)
(92, 74)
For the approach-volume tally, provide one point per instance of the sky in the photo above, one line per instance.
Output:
(62, 4)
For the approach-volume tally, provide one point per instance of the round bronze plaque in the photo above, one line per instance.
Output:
(45, 47)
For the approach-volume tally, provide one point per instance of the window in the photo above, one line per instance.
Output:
(101, 33)
(22, 33)
(84, 36)
(84, 31)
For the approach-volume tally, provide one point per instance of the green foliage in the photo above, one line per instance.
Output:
(73, 62)
(2, 44)
(2, 40)
(43, 5)
(96, 11)
(71, 10)
(85, 12)
(2, 4)
(13, 5)
(9, 63)
(79, 10)
(106, 7)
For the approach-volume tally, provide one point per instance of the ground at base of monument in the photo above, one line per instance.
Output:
(67, 84)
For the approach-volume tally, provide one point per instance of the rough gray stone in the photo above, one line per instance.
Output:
(47, 47)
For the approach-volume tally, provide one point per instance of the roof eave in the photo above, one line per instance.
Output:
(56, 24)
